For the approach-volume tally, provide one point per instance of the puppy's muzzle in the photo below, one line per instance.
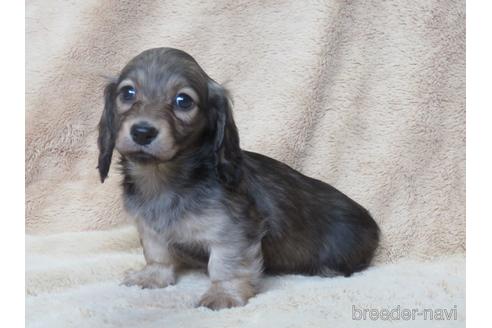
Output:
(143, 133)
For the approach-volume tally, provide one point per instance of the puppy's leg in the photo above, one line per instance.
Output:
(234, 273)
(159, 271)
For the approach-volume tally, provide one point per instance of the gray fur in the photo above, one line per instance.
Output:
(199, 200)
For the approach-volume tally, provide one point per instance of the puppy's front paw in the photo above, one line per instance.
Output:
(151, 276)
(217, 297)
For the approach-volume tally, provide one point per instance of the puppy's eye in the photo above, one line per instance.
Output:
(183, 101)
(128, 93)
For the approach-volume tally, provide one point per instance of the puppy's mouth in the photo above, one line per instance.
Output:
(142, 157)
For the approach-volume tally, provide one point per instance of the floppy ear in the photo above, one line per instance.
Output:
(228, 155)
(107, 131)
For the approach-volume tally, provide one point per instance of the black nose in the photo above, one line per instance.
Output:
(142, 133)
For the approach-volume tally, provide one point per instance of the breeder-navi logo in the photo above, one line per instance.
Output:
(406, 314)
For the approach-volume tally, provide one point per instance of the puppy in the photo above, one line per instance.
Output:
(201, 201)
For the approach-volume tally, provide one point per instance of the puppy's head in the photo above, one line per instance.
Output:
(163, 105)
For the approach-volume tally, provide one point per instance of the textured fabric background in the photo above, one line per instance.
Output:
(368, 96)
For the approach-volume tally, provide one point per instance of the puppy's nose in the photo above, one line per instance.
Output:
(143, 133)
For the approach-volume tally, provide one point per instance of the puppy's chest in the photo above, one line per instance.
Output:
(206, 228)
(180, 218)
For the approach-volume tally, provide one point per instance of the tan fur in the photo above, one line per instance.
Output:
(228, 262)
(159, 270)
(234, 268)
(187, 117)
(151, 276)
(226, 294)
(165, 147)
(152, 178)
(121, 105)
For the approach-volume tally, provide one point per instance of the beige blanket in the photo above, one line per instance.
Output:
(368, 96)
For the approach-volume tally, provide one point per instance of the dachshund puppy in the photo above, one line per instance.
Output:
(201, 201)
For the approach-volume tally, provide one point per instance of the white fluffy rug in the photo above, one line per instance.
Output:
(77, 285)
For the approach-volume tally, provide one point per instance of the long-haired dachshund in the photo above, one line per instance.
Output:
(201, 201)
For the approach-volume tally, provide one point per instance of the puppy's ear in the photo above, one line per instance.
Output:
(228, 156)
(107, 131)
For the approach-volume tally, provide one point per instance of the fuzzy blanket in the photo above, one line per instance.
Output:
(368, 96)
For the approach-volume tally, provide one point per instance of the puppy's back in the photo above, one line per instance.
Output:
(311, 227)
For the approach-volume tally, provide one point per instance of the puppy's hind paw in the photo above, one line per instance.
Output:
(151, 276)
